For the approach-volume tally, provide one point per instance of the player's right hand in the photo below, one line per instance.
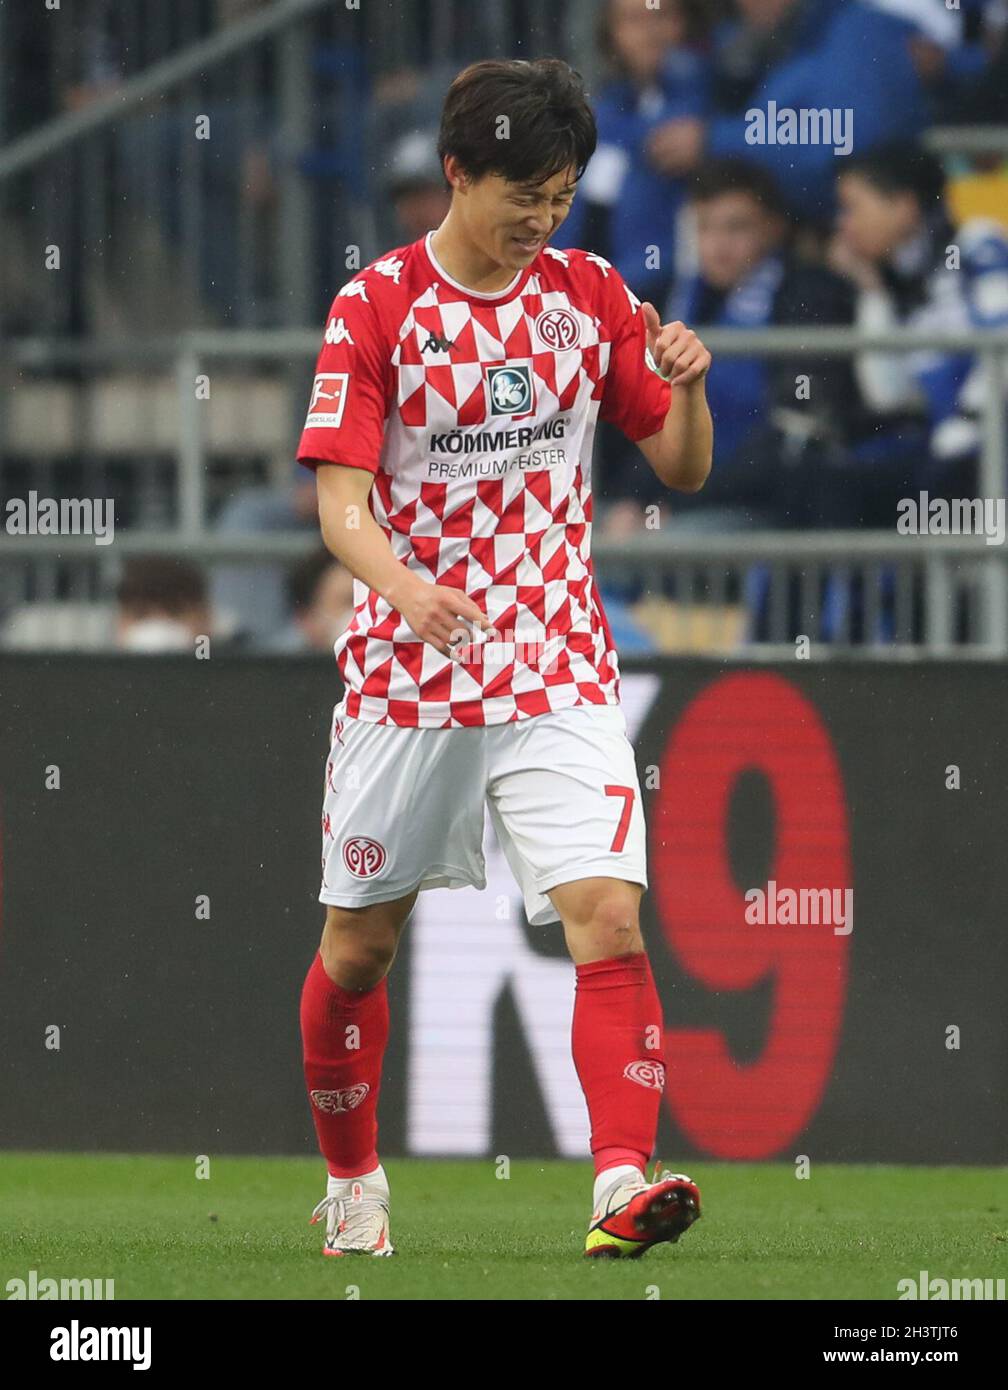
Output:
(442, 616)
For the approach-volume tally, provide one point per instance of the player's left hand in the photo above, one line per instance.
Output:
(679, 355)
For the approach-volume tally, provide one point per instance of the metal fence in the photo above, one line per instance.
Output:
(285, 356)
(881, 591)
(212, 244)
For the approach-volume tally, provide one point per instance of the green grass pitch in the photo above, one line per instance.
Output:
(461, 1232)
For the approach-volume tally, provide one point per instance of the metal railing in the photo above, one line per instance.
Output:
(280, 79)
(876, 591)
(771, 593)
(188, 356)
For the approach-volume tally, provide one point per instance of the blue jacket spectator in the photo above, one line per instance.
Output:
(947, 46)
(625, 205)
(777, 420)
(803, 55)
(977, 95)
(914, 270)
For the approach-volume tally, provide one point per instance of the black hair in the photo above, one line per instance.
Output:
(720, 176)
(160, 584)
(902, 168)
(550, 126)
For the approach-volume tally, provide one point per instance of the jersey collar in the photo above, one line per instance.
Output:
(497, 297)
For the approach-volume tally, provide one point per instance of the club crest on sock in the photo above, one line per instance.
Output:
(336, 1102)
(649, 1074)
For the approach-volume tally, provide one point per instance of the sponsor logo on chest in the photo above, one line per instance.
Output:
(509, 390)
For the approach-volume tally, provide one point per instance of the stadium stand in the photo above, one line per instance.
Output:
(171, 259)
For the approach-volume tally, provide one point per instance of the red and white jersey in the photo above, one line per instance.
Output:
(476, 414)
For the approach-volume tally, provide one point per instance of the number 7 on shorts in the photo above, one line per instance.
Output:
(627, 793)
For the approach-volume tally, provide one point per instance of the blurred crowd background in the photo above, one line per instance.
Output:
(318, 144)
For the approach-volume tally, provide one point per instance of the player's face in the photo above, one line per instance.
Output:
(512, 222)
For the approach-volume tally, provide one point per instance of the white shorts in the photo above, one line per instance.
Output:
(404, 807)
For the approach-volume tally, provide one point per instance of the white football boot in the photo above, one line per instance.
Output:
(357, 1215)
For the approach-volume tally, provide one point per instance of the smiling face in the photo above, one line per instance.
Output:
(509, 223)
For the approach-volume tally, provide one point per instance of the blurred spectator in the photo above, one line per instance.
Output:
(320, 591)
(779, 421)
(810, 55)
(402, 103)
(932, 20)
(776, 419)
(625, 204)
(982, 100)
(913, 269)
(249, 599)
(162, 605)
(946, 47)
(415, 185)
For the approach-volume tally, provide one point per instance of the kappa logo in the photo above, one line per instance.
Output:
(337, 332)
(354, 288)
(510, 390)
(558, 329)
(339, 1102)
(436, 343)
(364, 857)
(390, 267)
(648, 1074)
(328, 400)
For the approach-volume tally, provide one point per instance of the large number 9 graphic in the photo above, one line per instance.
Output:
(750, 722)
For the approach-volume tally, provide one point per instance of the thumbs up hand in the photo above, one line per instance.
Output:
(678, 353)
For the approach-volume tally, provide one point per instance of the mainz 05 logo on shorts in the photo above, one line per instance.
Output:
(337, 1102)
(510, 390)
(364, 857)
(649, 1074)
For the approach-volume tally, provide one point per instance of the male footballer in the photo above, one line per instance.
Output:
(450, 429)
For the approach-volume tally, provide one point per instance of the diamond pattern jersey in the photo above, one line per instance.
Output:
(476, 415)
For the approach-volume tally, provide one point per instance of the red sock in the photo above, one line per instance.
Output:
(344, 1033)
(617, 1014)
